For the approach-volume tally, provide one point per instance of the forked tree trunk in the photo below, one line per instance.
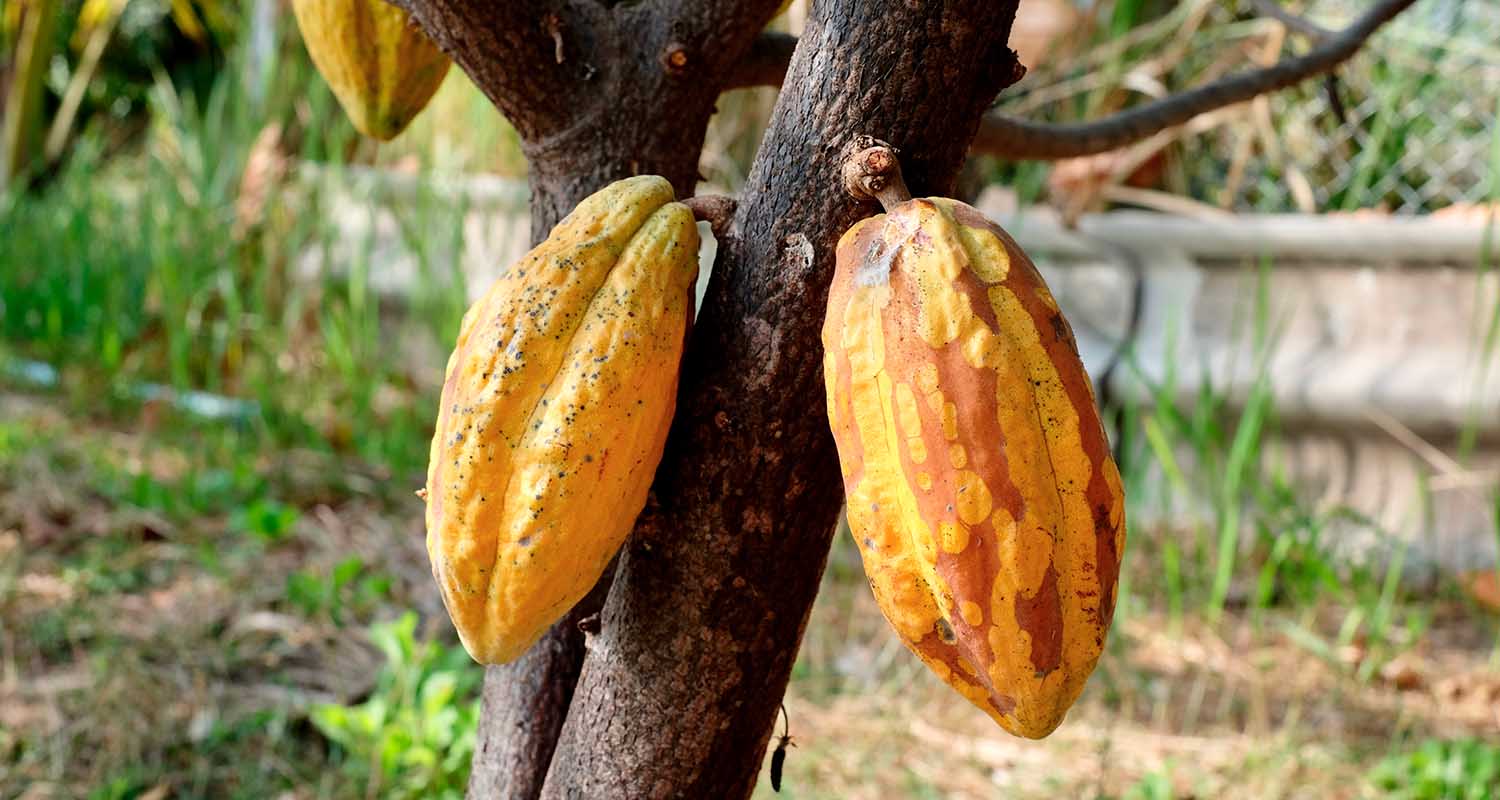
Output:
(682, 685)
(682, 682)
(596, 95)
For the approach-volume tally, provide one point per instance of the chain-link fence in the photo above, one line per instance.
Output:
(1408, 126)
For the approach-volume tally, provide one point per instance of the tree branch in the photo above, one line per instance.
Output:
(1012, 138)
(598, 91)
(1019, 139)
(510, 50)
(718, 31)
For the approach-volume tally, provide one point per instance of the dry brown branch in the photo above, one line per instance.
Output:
(1012, 138)
(1019, 139)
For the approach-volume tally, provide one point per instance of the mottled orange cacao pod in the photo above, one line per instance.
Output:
(980, 486)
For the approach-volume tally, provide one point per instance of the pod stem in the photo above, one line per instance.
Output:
(716, 209)
(872, 172)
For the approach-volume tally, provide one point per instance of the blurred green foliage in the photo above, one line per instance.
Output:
(99, 62)
(1461, 769)
(185, 265)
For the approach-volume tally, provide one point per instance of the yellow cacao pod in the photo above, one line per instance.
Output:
(555, 409)
(382, 69)
(980, 487)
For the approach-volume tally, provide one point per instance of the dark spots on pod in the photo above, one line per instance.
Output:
(524, 541)
(1062, 333)
(1059, 327)
(945, 631)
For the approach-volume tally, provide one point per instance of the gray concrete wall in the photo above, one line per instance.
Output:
(1373, 363)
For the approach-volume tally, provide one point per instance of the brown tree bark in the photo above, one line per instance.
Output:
(681, 687)
(598, 91)
(524, 706)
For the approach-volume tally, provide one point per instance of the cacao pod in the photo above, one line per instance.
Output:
(382, 69)
(555, 409)
(980, 487)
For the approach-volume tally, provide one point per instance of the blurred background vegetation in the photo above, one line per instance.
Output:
(212, 421)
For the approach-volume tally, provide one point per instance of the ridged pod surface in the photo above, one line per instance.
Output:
(555, 409)
(382, 69)
(980, 486)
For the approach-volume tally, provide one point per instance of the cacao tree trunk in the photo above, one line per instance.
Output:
(681, 683)
(597, 93)
(681, 687)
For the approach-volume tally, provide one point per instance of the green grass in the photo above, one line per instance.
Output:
(135, 278)
(1248, 537)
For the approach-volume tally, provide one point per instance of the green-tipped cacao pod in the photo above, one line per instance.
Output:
(381, 67)
(555, 409)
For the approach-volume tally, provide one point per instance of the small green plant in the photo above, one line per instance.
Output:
(133, 783)
(1463, 769)
(1152, 786)
(414, 736)
(267, 520)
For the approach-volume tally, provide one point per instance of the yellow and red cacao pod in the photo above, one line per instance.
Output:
(555, 409)
(382, 69)
(980, 486)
